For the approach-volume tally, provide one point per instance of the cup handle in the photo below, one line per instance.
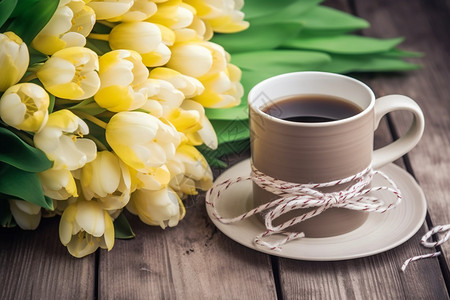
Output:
(409, 140)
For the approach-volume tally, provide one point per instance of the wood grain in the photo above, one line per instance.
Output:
(426, 32)
(35, 265)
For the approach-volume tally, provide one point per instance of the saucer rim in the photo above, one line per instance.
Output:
(232, 231)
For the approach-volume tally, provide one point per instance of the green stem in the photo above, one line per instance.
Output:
(29, 77)
(35, 67)
(99, 36)
(91, 118)
(106, 23)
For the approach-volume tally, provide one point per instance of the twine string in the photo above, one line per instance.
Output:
(294, 196)
(424, 241)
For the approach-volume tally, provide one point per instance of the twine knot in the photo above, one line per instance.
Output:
(294, 196)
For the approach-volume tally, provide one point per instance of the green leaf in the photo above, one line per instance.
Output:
(215, 157)
(122, 228)
(279, 61)
(343, 44)
(231, 130)
(30, 16)
(239, 112)
(19, 154)
(51, 105)
(257, 37)
(366, 63)
(271, 12)
(36, 56)
(401, 53)
(259, 8)
(98, 46)
(23, 185)
(322, 19)
(88, 106)
(6, 9)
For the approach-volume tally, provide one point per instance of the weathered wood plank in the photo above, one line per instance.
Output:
(192, 260)
(378, 276)
(425, 25)
(35, 265)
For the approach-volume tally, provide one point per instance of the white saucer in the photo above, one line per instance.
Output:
(379, 233)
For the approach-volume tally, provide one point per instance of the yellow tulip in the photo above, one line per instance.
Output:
(58, 184)
(141, 10)
(190, 171)
(59, 139)
(163, 207)
(107, 179)
(25, 106)
(122, 75)
(197, 30)
(84, 227)
(71, 73)
(155, 179)
(185, 121)
(192, 59)
(72, 21)
(205, 131)
(222, 89)
(188, 85)
(223, 16)
(143, 37)
(27, 215)
(14, 59)
(164, 93)
(173, 14)
(141, 140)
(110, 9)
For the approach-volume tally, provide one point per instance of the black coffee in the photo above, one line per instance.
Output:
(312, 109)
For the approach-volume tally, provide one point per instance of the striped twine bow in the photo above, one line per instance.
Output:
(424, 241)
(295, 196)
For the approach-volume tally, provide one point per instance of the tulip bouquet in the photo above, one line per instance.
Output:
(113, 105)
(102, 106)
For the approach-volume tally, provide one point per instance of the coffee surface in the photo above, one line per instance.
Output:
(312, 108)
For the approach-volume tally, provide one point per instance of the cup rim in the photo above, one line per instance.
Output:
(359, 115)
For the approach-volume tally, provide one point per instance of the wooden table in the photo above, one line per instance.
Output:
(196, 261)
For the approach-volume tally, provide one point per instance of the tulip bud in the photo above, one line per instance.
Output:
(27, 215)
(163, 207)
(188, 85)
(14, 59)
(141, 10)
(189, 171)
(223, 16)
(173, 14)
(107, 179)
(142, 141)
(109, 9)
(58, 184)
(143, 37)
(122, 75)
